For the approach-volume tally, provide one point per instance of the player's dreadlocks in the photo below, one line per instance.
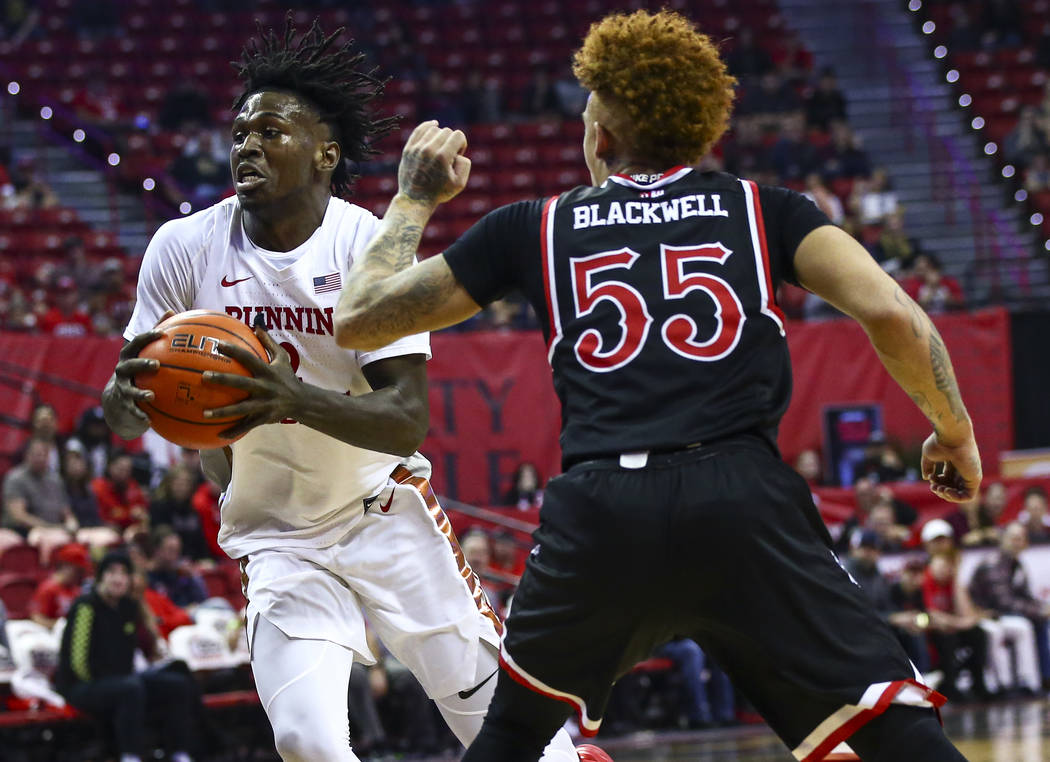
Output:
(325, 75)
(664, 77)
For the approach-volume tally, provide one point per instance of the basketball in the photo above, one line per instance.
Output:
(188, 348)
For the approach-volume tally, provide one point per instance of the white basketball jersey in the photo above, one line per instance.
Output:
(291, 486)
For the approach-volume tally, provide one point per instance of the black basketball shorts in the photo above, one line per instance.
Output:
(721, 544)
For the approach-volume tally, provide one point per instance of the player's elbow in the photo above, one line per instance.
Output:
(412, 432)
(352, 331)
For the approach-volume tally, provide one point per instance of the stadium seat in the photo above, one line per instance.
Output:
(19, 559)
(16, 591)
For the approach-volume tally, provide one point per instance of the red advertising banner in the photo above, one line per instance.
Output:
(492, 406)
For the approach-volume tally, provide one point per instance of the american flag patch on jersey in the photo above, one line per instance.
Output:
(325, 283)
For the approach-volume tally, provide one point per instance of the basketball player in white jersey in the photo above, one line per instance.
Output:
(327, 505)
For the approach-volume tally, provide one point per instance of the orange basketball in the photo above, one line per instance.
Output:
(187, 349)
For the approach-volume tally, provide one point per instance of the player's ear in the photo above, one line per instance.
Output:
(604, 143)
(328, 156)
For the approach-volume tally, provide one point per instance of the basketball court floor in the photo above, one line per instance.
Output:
(1016, 731)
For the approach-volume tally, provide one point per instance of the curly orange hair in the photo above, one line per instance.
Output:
(663, 78)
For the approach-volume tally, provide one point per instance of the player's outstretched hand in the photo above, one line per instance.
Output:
(273, 390)
(433, 168)
(120, 396)
(953, 471)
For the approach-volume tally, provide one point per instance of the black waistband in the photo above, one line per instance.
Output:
(672, 456)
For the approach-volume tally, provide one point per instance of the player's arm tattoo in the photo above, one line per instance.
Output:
(421, 177)
(922, 328)
(943, 375)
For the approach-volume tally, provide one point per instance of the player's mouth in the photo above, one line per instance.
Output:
(247, 178)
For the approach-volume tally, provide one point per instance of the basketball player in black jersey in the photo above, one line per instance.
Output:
(675, 516)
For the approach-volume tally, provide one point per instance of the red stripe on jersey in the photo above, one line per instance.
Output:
(402, 475)
(587, 729)
(547, 265)
(765, 250)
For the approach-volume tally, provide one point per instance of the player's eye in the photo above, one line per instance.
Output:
(271, 132)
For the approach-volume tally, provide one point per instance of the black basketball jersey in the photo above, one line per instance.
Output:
(656, 296)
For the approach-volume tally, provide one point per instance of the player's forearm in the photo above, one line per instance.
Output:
(913, 352)
(372, 311)
(382, 420)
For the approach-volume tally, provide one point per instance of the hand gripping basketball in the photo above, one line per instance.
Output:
(273, 389)
(121, 396)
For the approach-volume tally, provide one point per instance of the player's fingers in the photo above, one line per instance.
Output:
(277, 353)
(421, 133)
(167, 314)
(244, 357)
(133, 347)
(927, 466)
(236, 410)
(453, 143)
(134, 366)
(133, 393)
(212, 377)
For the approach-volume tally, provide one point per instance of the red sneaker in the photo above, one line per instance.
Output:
(590, 753)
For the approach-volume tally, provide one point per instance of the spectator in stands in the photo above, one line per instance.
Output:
(863, 565)
(35, 503)
(975, 522)
(931, 288)
(908, 615)
(482, 99)
(539, 99)
(526, 491)
(55, 594)
(891, 536)
(96, 674)
(172, 573)
(1000, 584)
(30, 190)
(19, 314)
(66, 317)
(1034, 515)
(793, 156)
(826, 103)
(873, 200)
(702, 709)
(43, 426)
(938, 539)
(844, 156)
(1037, 175)
(869, 494)
(570, 94)
(121, 501)
(747, 60)
(826, 201)
(807, 464)
(792, 61)
(955, 631)
(111, 299)
(884, 464)
(100, 104)
(206, 503)
(93, 437)
(77, 480)
(477, 550)
(1026, 139)
(173, 506)
(506, 554)
(166, 614)
(203, 170)
(773, 101)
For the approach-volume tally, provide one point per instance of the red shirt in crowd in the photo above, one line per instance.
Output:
(122, 507)
(206, 502)
(53, 599)
(169, 616)
(936, 595)
(59, 323)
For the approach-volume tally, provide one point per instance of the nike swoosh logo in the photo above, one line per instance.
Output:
(386, 506)
(227, 283)
(468, 693)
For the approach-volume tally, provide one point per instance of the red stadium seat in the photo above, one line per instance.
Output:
(16, 592)
(19, 559)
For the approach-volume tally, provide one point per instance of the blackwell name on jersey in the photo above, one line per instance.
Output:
(648, 212)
